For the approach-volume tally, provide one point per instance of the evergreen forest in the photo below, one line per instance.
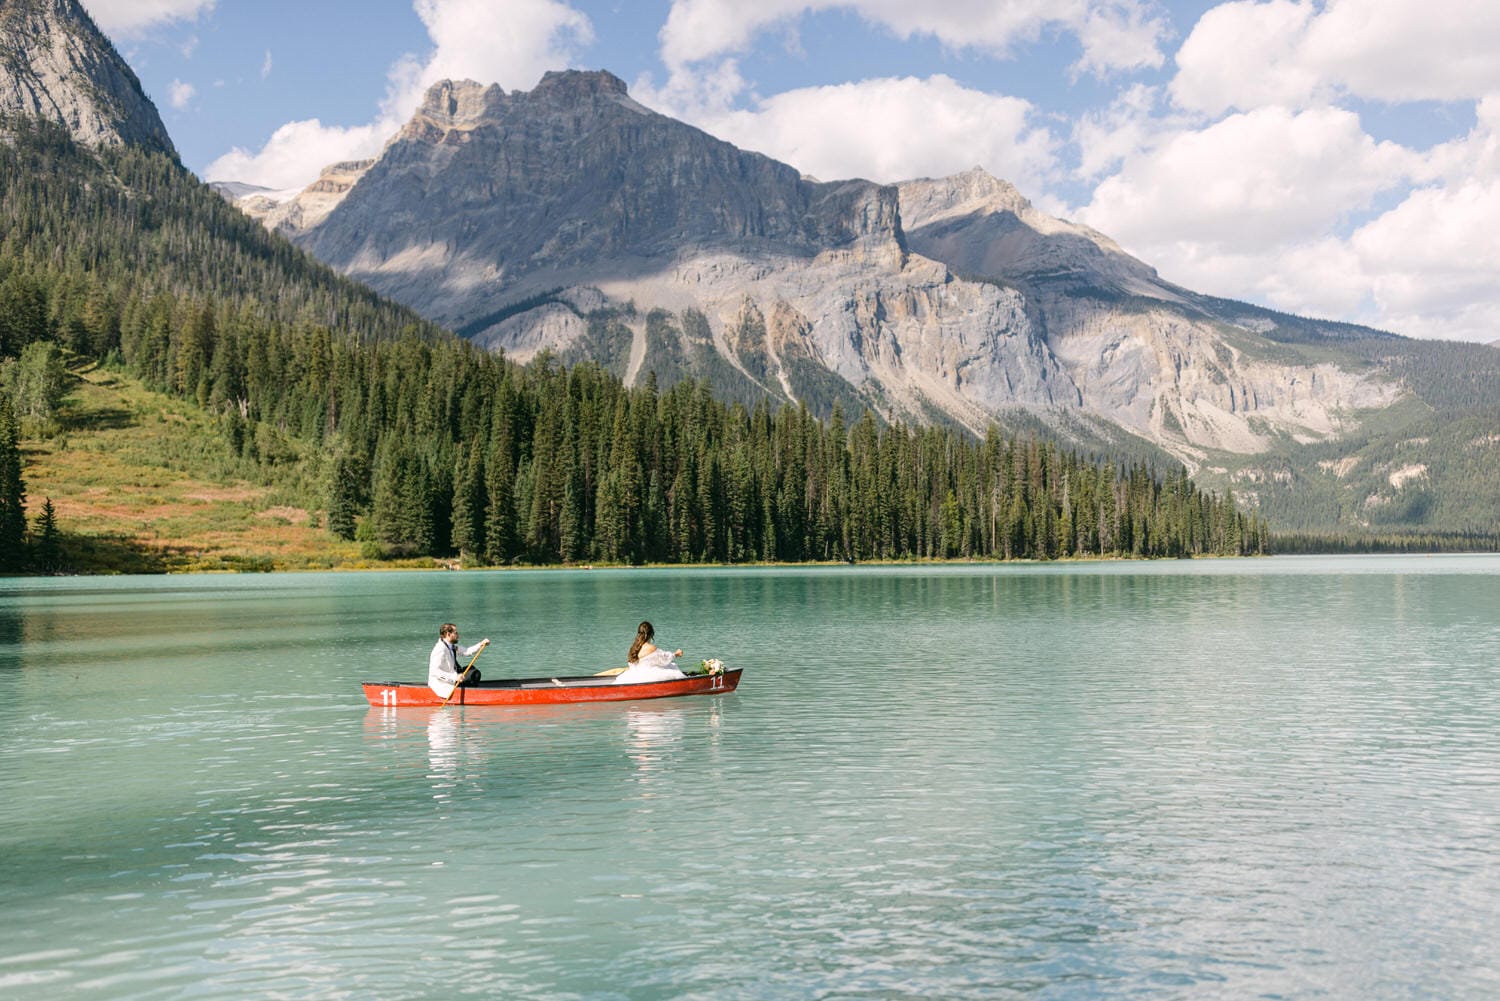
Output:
(422, 444)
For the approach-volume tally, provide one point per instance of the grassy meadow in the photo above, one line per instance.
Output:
(143, 483)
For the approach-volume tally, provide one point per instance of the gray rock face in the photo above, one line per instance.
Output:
(519, 219)
(56, 65)
(982, 226)
(565, 177)
(1186, 372)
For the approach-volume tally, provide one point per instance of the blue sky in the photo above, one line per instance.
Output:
(1339, 158)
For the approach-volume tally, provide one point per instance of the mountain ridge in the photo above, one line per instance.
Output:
(951, 299)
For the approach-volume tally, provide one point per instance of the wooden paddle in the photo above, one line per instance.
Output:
(461, 677)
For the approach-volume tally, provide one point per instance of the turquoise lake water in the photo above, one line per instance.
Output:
(1213, 779)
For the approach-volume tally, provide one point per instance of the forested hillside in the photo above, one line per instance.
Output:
(430, 446)
(103, 232)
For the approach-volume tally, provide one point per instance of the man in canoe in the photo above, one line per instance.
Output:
(443, 667)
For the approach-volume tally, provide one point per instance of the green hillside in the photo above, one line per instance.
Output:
(99, 233)
(141, 482)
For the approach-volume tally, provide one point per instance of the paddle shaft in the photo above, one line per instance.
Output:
(461, 677)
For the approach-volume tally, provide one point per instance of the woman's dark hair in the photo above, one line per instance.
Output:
(643, 635)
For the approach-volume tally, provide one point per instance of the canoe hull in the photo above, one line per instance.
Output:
(549, 691)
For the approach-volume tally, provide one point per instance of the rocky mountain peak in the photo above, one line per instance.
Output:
(578, 85)
(983, 226)
(56, 65)
(457, 102)
(972, 191)
(520, 191)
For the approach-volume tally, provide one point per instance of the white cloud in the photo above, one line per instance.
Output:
(1252, 180)
(1115, 34)
(1260, 186)
(1474, 155)
(1431, 261)
(265, 66)
(510, 44)
(1423, 269)
(1248, 54)
(1245, 55)
(1122, 36)
(181, 94)
(1271, 206)
(699, 95)
(883, 130)
(1105, 138)
(887, 129)
(1409, 50)
(294, 150)
(128, 18)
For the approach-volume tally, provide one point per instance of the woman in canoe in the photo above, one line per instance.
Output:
(646, 662)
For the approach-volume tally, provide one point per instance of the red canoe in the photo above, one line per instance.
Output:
(549, 691)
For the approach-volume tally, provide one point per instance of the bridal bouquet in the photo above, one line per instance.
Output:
(713, 666)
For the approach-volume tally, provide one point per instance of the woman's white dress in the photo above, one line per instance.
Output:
(655, 666)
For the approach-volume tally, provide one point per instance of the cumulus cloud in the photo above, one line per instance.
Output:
(1409, 50)
(887, 129)
(1251, 180)
(1306, 212)
(129, 18)
(1122, 36)
(884, 130)
(1438, 247)
(1430, 260)
(1115, 34)
(510, 44)
(1250, 175)
(180, 94)
(1105, 138)
(1423, 269)
(1246, 54)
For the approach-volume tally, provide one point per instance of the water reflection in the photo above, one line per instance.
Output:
(651, 733)
(443, 751)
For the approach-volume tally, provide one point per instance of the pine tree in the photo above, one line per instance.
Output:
(12, 491)
(48, 544)
(501, 539)
(469, 506)
(403, 501)
(347, 489)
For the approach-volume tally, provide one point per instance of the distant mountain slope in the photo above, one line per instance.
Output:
(56, 65)
(1422, 461)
